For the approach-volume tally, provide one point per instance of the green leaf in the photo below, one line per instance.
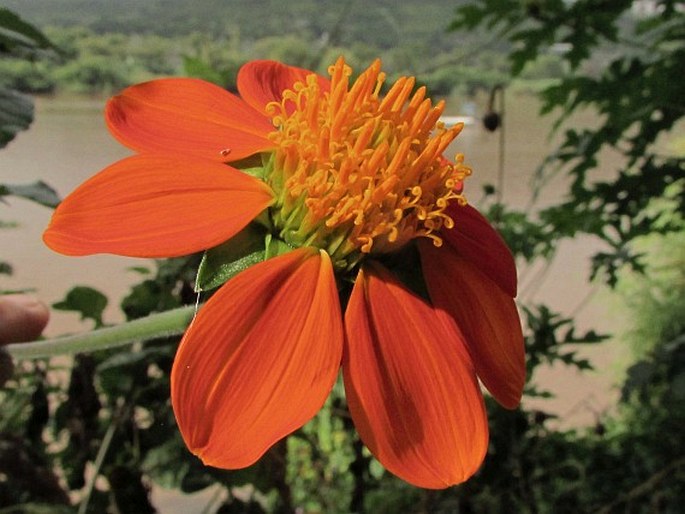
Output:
(5, 268)
(16, 114)
(38, 191)
(467, 16)
(199, 69)
(276, 247)
(17, 35)
(141, 270)
(194, 482)
(89, 302)
(167, 464)
(118, 372)
(221, 263)
(142, 358)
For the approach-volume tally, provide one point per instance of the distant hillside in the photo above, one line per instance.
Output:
(112, 43)
(380, 23)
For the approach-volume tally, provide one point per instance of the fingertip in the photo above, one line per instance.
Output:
(22, 318)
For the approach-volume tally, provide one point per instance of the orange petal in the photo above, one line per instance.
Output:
(410, 384)
(152, 206)
(261, 82)
(259, 360)
(478, 242)
(485, 314)
(187, 116)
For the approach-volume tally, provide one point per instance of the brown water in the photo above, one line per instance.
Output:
(69, 142)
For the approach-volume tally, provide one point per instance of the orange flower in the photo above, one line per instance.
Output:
(347, 179)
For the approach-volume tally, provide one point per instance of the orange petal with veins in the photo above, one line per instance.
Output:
(478, 242)
(187, 116)
(410, 384)
(259, 360)
(486, 316)
(153, 206)
(262, 82)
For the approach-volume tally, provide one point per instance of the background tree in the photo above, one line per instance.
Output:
(624, 60)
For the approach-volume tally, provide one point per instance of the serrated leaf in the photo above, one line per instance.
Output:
(89, 302)
(38, 192)
(221, 263)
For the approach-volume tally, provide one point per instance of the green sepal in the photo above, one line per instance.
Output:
(275, 247)
(256, 172)
(253, 165)
(222, 262)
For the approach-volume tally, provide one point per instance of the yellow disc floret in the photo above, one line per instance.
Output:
(356, 173)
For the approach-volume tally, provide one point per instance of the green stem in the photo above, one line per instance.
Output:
(99, 459)
(163, 324)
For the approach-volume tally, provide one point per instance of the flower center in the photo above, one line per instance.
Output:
(355, 173)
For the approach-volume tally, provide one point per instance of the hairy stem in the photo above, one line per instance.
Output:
(163, 324)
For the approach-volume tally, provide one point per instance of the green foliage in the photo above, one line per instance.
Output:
(38, 192)
(169, 287)
(385, 23)
(290, 48)
(327, 442)
(22, 41)
(225, 261)
(637, 92)
(658, 295)
(16, 114)
(627, 69)
(102, 52)
(527, 239)
(19, 38)
(443, 80)
(545, 344)
(28, 77)
(94, 73)
(199, 69)
(88, 302)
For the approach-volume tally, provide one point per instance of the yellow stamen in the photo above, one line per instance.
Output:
(357, 174)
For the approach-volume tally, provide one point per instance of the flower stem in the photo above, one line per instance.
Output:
(163, 324)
